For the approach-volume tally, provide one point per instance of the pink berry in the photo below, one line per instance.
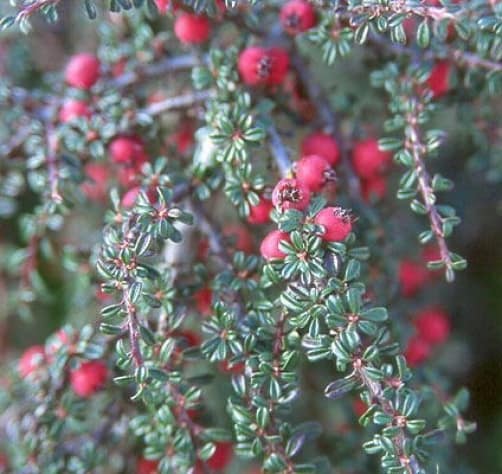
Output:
(30, 360)
(240, 237)
(128, 150)
(336, 222)
(368, 159)
(162, 5)
(192, 29)
(433, 325)
(313, 171)
(82, 71)
(88, 378)
(129, 198)
(321, 144)
(262, 66)
(269, 247)
(417, 351)
(203, 301)
(146, 466)
(412, 277)
(260, 214)
(72, 109)
(96, 187)
(222, 456)
(374, 188)
(297, 16)
(290, 194)
(439, 79)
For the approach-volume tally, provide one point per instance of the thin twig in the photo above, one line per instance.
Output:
(416, 147)
(177, 102)
(279, 151)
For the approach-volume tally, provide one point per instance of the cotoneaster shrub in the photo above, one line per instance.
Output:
(209, 194)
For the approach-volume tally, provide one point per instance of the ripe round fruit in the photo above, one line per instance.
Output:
(290, 194)
(146, 466)
(368, 159)
(96, 187)
(269, 247)
(313, 171)
(30, 360)
(262, 66)
(82, 71)
(72, 109)
(336, 222)
(417, 351)
(203, 301)
(374, 188)
(297, 16)
(88, 378)
(412, 277)
(222, 456)
(192, 29)
(260, 214)
(322, 144)
(239, 237)
(128, 150)
(433, 325)
(439, 79)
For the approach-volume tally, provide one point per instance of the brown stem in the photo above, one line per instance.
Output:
(376, 392)
(416, 147)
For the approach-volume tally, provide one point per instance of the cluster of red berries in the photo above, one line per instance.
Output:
(313, 172)
(432, 327)
(82, 72)
(85, 380)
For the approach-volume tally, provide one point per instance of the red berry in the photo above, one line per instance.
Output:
(431, 253)
(336, 222)
(191, 338)
(203, 301)
(95, 188)
(297, 16)
(433, 325)
(412, 277)
(368, 159)
(240, 237)
(439, 80)
(222, 456)
(30, 360)
(129, 198)
(128, 151)
(82, 71)
(290, 194)
(417, 351)
(88, 378)
(269, 247)
(192, 29)
(183, 138)
(72, 109)
(260, 214)
(374, 188)
(313, 171)
(322, 144)
(162, 5)
(146, 466)
(359, 407)
(261, 66)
